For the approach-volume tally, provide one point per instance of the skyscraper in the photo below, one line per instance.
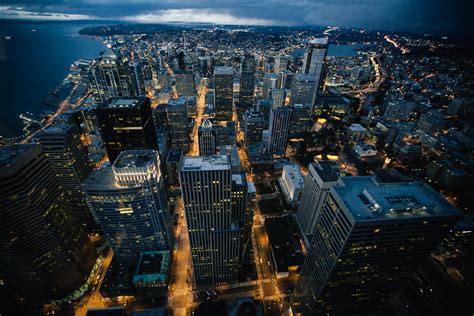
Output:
(243, 204)
(322, 175)
(302, 90)
(126, 124)
(253, 126)
(247, 81)
(279, 128)
(369, 236)
(207, 139)
(178, 123)
(62, 145)
(223, 97)
(111, 77)
(129, 201)
(45, 251)
(278, 98)
(206, 183)
(314, 58)
(281, 63)
(270, 82)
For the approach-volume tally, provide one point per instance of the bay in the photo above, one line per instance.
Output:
(33, 62)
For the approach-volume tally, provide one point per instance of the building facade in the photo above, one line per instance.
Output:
(128, 199)
(44, 247)
(223, 96)
(369, 236)
(126, 124)
(206, 185)
(279, 129)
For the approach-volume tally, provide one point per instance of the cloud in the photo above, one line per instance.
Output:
(218, 16)
(19, 13)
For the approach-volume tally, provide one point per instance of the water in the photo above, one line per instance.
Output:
(33, 63)
(344, 50)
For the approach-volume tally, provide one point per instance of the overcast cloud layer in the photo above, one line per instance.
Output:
(429, 16)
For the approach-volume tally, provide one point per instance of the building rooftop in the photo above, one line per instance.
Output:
(220, 162)
(153, 266)
(294, 174)
(101, 178)
(135, 158)
(238, 178)
(125, 103)
(319, 41)
(175, 154)
(222, 70)
(368, 199)
(181, 101)
(357, 128)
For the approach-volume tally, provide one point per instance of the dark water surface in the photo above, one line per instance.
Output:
(33, 63)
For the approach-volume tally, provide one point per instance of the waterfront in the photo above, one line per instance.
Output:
(33, 62)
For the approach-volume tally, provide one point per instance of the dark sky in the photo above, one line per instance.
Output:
(426, 16)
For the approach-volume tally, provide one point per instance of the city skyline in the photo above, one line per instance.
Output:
(231, 168)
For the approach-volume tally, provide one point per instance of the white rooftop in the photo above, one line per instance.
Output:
(294, 174)
(199, 163)
(319, 41)
(223, 71)
(357, 128)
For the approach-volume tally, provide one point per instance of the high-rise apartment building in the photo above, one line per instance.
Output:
(206, 185)
(128, 200)
(279, 129)
(126, 124)
(223, 96)
(369, 236)
(45, 251)
(247, 81)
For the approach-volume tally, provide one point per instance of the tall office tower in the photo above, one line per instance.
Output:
(322, 175)
(126, 124)
(270, 82)
(279, 128)
(223, 96)
(185, 83)
(129, 201)
(111, 77)
(247, 81)
(301, 120)
(207, 139)
(369, 236)
(278, 97)
(206, 183)
(178, 123)
(137, 79)
(253, 126)
(302, 89)
(45, 251)
(243, 204)
(62, 145)
(285, 79)
(281, 63)
(314, 58)
(205, 65)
